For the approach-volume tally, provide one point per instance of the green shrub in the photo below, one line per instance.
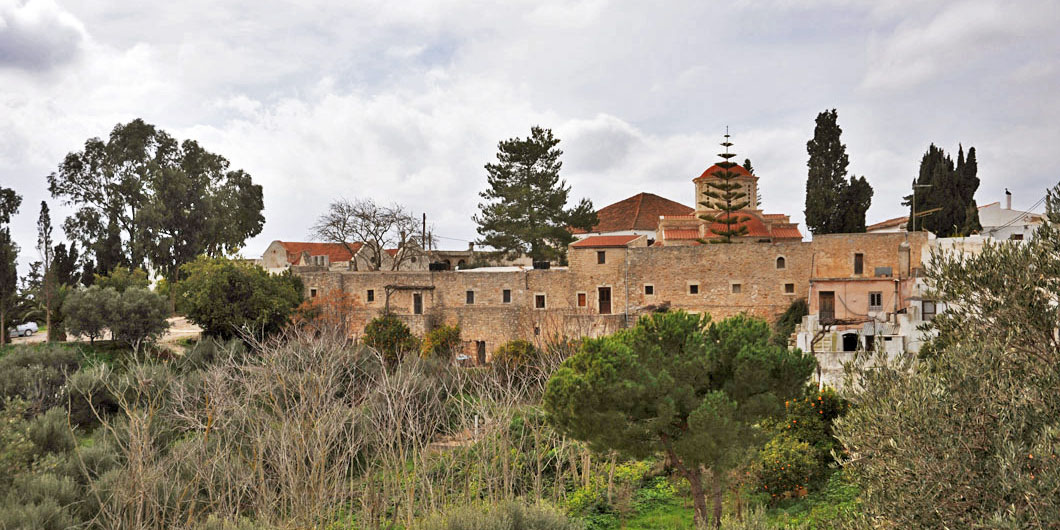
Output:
(516, 353)
(121, 278)
(784, 466)
(590, 504)
(90, 311)
(508, 515)
(37, 373)
(87, 390)
(141, 317)
(50, 432)
(441, 342)
(390, 336)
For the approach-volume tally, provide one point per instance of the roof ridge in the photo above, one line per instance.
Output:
(636, 216)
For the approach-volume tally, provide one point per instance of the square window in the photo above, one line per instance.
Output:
(789, 288)
(370, 296)
(737, 288)
(581, 299)
(506, 296)
(693, 288)
(539, 301)
(601, 257)
(649, 290)
(875, 301)
(313, 292)
(470, 297)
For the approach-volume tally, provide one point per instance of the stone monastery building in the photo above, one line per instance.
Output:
(645, 255)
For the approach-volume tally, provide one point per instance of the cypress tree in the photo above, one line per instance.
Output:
(949, 194)
(833, 204)
(727, 197)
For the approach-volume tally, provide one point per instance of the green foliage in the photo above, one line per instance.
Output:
(227, 297)
(16, 447)
(441, 342)
(951, 191)
(969, 435)
(145, 198)
(789, 320)
(121, 278)
(784, 466)
(141, 317)
(90, 311)
(834, 205)
(725, 195)
(510, 515)
(516, 353)
(37, 374)
(525, 210)
(8, 279)
(678, 384)
(833, 506)
(389, 335)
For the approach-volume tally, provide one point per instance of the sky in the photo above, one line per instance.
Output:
(405, 102)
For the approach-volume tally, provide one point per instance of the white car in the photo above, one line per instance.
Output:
(23, 330)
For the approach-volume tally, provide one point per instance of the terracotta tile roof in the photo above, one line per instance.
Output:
(738, 169)
(786, 232)
(335, 252)
(392, 251)
(680, 234)
(755, 228)
(639, 212)
(604, 241)
(775, 216)
(897, 221)
(680, 217)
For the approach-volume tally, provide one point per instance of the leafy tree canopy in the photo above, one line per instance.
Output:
(834, 203)
(680, 385)
(526, 204)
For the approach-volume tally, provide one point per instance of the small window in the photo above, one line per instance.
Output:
(506, 296)
(789, 288)
(413, 259)
(737, 288)
(581, 299)
(859, 263)
(1016, 237)
(370, 296)
(417, 304)
(601, 257)
(929, 310)
(781, 263)
(693, 288)
(539, 301)
(875, 301)
(537, 331)
(313, 292)
(649, 290)
(470, 297)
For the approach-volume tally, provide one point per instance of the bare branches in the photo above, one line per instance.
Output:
(368, 230)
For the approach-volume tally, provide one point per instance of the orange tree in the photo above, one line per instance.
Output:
(332, 311)
(680, 385)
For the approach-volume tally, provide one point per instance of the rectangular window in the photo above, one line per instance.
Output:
(312, 292)
(859, 263)
(539, 301)
(370, 295)
(581, 299)
(601, 257)
(789, 288)
(693, 288)
(470, 297)
(506, 296)
(1016, 237)
(929, 310)
(875, 301)
(417, 304)
(737, 288)
(649, 290)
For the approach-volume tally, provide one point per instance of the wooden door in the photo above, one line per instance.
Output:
(827, 306)
(605, 300)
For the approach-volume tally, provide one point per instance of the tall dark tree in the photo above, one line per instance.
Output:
(66, 265)
(146, 199)
(44, 246)
(747, 165)
(726, 197)
(9, 203)
(526, 204)
(834, 204)
(945, 194)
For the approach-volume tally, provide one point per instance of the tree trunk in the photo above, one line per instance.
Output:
(47, 307)
(695, 483)
(718, 497)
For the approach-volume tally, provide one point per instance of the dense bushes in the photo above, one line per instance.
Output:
(390, 336)
(441, 342)
(227, 298)
(134, 315)
(510, 515)
(37, 375)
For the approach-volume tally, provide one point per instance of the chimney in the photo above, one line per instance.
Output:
(470, 247)
(1008, 199)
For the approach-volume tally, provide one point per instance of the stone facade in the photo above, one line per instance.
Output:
(609, 284)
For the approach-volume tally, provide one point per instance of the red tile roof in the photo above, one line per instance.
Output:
(604, 241)
(755, 228)
(680, 234)
(639, 212)
(335, 252)
(786, 232)
(738, 169)
(392, 251)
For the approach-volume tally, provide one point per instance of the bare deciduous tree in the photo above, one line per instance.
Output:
(378, 227)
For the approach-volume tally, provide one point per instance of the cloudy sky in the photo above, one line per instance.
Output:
(405, 101)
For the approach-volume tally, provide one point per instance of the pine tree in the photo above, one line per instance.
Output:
(525, 210)
(833, 203)
(747, 165)
(726, 196)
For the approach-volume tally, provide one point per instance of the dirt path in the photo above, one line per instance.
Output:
(179, 328)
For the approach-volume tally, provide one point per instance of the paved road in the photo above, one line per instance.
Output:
(179, 328)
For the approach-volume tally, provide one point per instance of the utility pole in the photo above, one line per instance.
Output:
(913, 219)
